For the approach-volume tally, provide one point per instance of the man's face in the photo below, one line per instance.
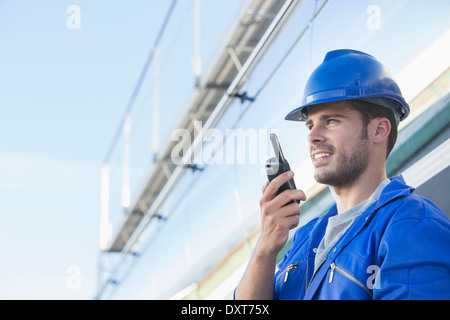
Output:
(339, 146)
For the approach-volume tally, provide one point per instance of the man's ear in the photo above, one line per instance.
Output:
(380, 129)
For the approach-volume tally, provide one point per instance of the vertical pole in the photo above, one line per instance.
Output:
(311, 35)
(105, 226)
(100, 270)
(197, 58)
(126, 162)
(241, 219)
(155, 122)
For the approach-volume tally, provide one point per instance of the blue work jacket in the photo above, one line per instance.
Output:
(399, 248)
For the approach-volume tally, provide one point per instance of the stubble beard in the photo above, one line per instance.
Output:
(350, 165)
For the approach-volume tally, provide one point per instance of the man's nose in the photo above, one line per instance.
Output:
(316, 135)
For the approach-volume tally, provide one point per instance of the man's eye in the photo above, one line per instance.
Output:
(331, 121)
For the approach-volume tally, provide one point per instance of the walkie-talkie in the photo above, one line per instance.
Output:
(278, 165)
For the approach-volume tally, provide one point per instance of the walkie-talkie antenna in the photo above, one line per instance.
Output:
(277, 148)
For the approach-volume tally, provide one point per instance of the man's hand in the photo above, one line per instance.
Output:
(277, 218)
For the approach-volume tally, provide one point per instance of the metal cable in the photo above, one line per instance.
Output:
(140, 81)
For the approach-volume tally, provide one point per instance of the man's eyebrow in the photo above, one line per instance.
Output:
(334, 115)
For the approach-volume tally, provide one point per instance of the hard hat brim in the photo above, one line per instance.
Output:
(301, 113)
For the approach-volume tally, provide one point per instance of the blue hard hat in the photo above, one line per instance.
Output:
(349, 74)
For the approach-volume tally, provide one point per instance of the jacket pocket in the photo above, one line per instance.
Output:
(290, 282)
(335, 269)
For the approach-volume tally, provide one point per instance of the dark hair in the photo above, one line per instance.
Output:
(371, 111)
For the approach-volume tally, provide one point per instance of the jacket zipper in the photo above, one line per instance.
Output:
(308, 284)
(287, 270)
(334, 267)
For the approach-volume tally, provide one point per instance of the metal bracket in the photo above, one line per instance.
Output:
(194, 167)
(243, 97)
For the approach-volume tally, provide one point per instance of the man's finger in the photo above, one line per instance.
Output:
(288, 195)
(276, 183)
(265, 186)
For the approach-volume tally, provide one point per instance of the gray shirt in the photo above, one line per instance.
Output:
(338, 224)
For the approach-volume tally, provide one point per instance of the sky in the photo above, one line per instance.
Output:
(62, 94)
(67, 72)
(58, 112)
(65, 81)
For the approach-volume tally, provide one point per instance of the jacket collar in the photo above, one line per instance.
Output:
(397, 188)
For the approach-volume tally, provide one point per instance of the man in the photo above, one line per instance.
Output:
(380, 240)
